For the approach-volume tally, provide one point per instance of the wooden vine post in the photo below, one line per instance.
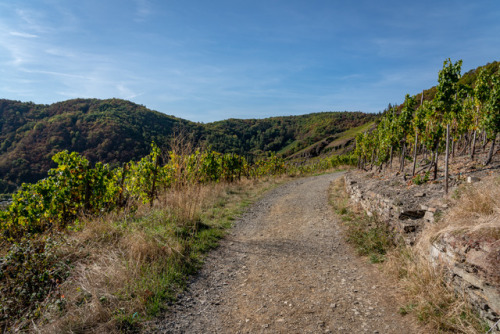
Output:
(416, 119)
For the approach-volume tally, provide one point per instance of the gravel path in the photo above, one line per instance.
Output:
(284, 268)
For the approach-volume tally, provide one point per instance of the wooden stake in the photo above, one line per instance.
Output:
(446, 160)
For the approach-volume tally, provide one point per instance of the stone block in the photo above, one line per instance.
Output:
(429, 216)
(473, 179)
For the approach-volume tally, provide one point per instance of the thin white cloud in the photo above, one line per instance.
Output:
(22, 34)
(17, 50)
(56, 74)
(354, 76)
(125, 92)
(60, 52)
(32, 20)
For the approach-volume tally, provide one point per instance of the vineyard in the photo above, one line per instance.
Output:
(36, 227)
(75, 188)
(459, 118)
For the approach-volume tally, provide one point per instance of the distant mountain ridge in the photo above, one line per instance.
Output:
(116, 131)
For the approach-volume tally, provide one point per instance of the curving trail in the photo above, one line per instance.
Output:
(285, 268)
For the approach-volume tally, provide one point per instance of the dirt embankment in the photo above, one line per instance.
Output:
(285, 268)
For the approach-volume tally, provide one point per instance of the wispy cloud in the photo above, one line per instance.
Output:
(16, 47)
(31, 20)
(34, 52)
(126, 92)
(55, 74)
(22, 34)
(143, 10)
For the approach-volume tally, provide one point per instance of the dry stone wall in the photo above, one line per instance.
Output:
(472, 260)
(405, 210)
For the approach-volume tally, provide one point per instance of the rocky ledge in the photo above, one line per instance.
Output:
(406, 210)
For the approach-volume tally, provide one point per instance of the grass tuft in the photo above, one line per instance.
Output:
(370, 236)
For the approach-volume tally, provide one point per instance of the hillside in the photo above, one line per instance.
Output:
(117, 131)
(286, 135)
(112, 131)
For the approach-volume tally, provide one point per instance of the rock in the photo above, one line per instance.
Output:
(473, 179)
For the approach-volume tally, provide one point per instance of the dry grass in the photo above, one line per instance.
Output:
(128, 265)
(426, 294)
(475, 213)
(475, 208)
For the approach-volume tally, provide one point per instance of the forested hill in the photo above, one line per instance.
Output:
(285, 135)
(116, 131)
(103, 130)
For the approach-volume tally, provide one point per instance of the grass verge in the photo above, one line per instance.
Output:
(111, 274)
(370, 236)
(426, 293)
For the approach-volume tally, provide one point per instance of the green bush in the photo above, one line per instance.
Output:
(418, 179)
(29, 273)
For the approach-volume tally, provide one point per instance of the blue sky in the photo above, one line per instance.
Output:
(213, 60)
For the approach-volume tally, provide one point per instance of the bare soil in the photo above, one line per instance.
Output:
(285, 268)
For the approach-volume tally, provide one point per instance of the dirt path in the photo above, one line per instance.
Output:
(285, 268)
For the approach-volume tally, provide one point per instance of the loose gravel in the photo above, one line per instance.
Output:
(285, 268)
